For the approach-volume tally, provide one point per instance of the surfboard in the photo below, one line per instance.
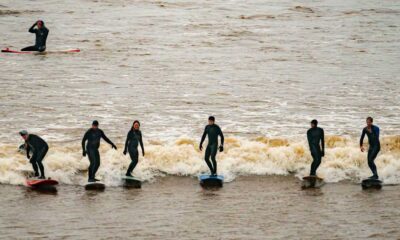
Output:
(312, 182)
(7, 50)
(131, 182)
(42, 184)
(371, 184)
(211, 181)
(97, 186)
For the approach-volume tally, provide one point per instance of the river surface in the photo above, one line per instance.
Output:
(264, 69)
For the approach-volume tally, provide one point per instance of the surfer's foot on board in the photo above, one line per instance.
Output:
(128, 175)
(375, 177)
(91, 180)
(96, 180)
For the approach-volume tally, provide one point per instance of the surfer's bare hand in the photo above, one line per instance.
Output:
(201, 148)
(362, 149)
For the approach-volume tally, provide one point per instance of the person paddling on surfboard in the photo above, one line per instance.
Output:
(213, 131)
(315, 137)
(133, 139)
(41, 36)
(372, 133)
(93, 137)
(39, 148)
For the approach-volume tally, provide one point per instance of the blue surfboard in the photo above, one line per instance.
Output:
(209, 181)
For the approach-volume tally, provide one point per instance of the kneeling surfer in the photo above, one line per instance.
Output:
(133, 139)
(213, 131)
(315, 137)
(93, 137)
(41, 36)
(39, 148)
(372, 133)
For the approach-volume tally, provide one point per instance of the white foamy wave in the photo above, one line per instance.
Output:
(258, 156)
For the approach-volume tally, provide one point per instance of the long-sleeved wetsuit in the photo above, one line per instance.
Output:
(39, 148)
(133, 139)
(315, 136)
(41, 37)
(374, 146)
(213, 131)
(93, 137)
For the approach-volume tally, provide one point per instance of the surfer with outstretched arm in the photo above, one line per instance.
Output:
(213, 131)
(133, 139)
(39, 148)
(93, 137)
(316, 141)
(41, 32)
(372, 133)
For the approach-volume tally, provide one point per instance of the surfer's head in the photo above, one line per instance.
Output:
(24, 134)
(314, 123)
(369, 121)
(136, 125)
(40, 23)
(95, 124)
(211, 120)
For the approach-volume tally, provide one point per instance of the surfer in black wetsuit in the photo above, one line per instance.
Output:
(213, 131)
(41, 36)
(133, 139)
(372, 133)
(39, 148)
(315, 137)
(93, 137)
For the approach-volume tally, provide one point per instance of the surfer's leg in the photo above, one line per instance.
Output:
(372, 154)
(91, 165)
(316, 155)
(134, 153)
(207, 158)
(96, 162)
(30, 48)
(39, 160)
(214, 151)
(34, 165)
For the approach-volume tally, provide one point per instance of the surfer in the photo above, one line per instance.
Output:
(315, 137)
(93, 137)
(372, 132)
(39, 148)
(213, 131)
(41, 36)
(133, 139)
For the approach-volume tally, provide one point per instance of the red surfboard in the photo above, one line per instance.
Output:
(7, 50)
(40, 182)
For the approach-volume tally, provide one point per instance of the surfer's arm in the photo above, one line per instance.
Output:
(377, 132)
(309, 138)
(28, 149)
(141, 143)
(84, 139)
(203, 138)
(323, 141)
(362, 137)
(32, 29)
(127, 142)
(107, 140)
(222, 137)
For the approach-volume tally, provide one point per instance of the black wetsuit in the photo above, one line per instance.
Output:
(133, 139)
(93, 137)
(213, 131)
(39, 148)
(315, 136)
(374, 147)
(41, 37)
